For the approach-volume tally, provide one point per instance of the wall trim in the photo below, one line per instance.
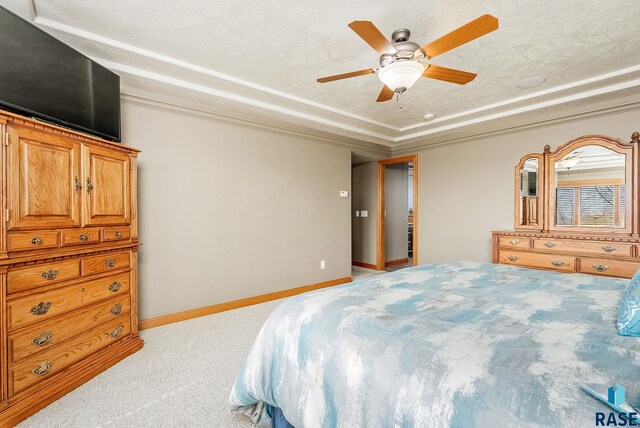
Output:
(235, 304)
(412, 148)
(368, 148)
(364, 265)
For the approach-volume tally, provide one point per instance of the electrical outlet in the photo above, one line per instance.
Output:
(344, 194)
(322, 264)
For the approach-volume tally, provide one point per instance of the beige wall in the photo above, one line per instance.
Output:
(228, 211)
(364, 184)
(466, 189)
(396, 199)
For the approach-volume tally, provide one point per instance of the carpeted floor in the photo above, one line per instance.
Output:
(181, 378)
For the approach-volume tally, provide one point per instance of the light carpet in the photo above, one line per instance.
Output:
(181, 378)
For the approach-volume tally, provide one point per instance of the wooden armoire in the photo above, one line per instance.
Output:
(68, 261)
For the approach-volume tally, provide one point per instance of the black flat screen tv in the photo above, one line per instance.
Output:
(44, 78)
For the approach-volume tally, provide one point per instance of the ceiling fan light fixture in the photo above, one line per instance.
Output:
(400, 76)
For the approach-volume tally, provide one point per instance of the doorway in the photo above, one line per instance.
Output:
(397, 213)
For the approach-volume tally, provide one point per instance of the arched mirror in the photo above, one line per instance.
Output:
(528, 192)
(590, 183)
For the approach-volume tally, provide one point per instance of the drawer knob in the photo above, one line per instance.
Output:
(549, 244)
(557, 263)
(43, 368)
(600, 268)
(50, 274)
(83, 237)
(41, 309)
(118, 234)
(115, 286)
(513, 258)
(117, 332)
(43, 339)
(89, 185)
(36, 241)
(116, 309)
(109, 263)
(514, 242)
(608, 249)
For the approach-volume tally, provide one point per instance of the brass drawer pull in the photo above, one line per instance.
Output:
(50, 274)
(513, 258)
(600, 268)
(43, 368)
(549, 244)
(514, 242)
(109, 263)
(117, 332)
(83, 237)
(116, 309)
(43, 339)
(608, 249)
(41, 309)
(77, 184)
(557, 263)
(115, 286)
(118, 234)
(36, 241)
(89, 185)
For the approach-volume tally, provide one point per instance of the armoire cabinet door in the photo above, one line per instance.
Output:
(43, 180)
(108, 195)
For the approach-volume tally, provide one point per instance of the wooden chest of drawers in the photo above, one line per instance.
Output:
(599, 255)
(68, 262)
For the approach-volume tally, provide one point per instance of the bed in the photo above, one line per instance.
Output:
(458, 344)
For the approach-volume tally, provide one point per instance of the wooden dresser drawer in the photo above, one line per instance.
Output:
(106, 262)
(42, 366)
(80, 236)
(24, 278)
(539, 261)
(33, 240)
(42, 306)
(608, 267)
(514, 242)
(44, 335)
(116, 233)
(579, 246)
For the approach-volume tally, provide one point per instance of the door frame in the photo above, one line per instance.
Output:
(380, 221)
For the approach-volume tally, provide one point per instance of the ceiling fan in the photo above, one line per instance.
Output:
(400, 61)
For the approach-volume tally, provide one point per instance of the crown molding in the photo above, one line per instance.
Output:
(398, 139)
(400, 151)
(174, 108)
(199, 69)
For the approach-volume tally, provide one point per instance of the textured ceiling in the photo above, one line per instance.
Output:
(259, 60)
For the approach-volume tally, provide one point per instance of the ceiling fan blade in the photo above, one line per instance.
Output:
(346, 75)
(370, 34)
(448, 74)
(471, 31)
(385, 94)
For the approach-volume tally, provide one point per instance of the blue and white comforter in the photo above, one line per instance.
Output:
(460, 344)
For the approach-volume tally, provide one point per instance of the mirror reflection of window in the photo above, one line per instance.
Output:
(590, 188)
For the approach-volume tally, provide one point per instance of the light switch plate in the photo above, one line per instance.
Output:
(344, 194)
(364, 213)
(357, 213)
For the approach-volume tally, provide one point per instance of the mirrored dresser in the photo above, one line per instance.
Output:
(576, 209)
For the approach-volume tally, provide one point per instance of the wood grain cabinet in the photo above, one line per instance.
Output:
(584, 215)
(68, 262)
